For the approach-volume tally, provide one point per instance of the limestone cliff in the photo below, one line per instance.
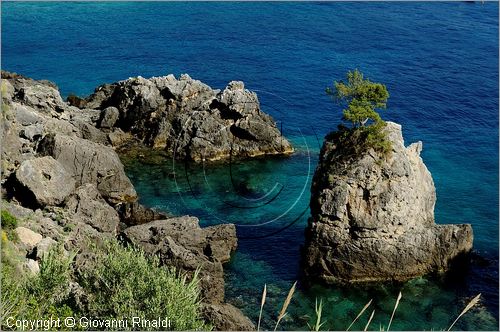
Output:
(373, 216)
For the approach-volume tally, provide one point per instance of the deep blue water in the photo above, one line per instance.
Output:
(438, 60)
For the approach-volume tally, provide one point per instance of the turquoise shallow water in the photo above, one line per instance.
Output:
(439, 61)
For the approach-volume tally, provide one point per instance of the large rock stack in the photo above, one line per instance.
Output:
(373, 216)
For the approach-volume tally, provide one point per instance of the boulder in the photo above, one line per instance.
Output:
(118, 137)
(43, 247)
(39, 95)
(189, 119)
(31, 266)
(109, 116)
(44, 181)
(226, 317)
(91, 133)
(90, 162)
(373, 216)
(136, 214)
(25, 115)
(182, 243)
(32, 132)
(88, 206)
(27, 237)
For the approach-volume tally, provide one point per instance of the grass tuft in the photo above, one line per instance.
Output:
(318, 310)
(468, 307)
(394, 311)
(369, 320)
(285, 305)
(262, 302)
(8, 220)
(359, 315)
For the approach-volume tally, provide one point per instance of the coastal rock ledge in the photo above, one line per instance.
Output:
(373, 216)
(187, 118)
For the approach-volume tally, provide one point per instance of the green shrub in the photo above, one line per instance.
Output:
(41, 296)
(123, 282)
(8, 220)
(12, 298)
(120, 283)
(52, 282)
(355, 141)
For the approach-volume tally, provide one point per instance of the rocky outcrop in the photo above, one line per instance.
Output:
(133, 213)
(87, 206)
(64, 182)
(189, 119)
(90, 162)
(44, 181)
(373, 216)
(180, 242)
(226, 317)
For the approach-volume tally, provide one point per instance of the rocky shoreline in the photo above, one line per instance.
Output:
(186, 118)
(373, 216)
(63, 179)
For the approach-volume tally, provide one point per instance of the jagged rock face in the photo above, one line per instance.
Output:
(191, 120)
(88, 206)
(31, 110)
(182, 243)
(89, 162)
(373, 217)
(133, 213)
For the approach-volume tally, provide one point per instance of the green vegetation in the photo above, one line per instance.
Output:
(41, 296)
(361, 99)
(117, 283)
(318, 309)
(124, 283)
(8, 220)
(9, 223)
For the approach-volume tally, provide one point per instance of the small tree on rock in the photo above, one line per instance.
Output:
(361, 98)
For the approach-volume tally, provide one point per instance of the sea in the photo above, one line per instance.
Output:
(439, 61)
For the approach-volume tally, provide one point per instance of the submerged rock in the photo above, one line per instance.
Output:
(189, 119)
(373, 216)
